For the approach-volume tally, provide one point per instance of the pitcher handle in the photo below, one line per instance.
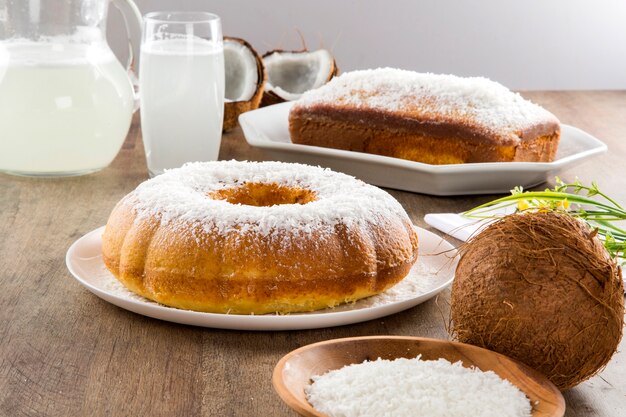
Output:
(133, 22)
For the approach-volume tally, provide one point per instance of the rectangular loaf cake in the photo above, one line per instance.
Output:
(430, 118)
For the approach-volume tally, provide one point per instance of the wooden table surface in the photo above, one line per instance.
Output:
(65, 352)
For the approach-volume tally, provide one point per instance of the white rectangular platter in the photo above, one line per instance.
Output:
(268, 128)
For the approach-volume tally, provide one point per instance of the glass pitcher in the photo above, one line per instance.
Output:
(65, 101)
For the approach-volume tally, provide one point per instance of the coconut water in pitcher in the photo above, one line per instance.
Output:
(65, 101)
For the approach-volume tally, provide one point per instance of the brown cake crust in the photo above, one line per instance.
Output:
(192, 274)
(420, 128)
(190, 263)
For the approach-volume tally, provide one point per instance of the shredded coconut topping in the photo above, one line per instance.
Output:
(182, 195)
(436, 98)
(413, 388)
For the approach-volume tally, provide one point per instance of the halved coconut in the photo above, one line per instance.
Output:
(291, 73)
(245, 76)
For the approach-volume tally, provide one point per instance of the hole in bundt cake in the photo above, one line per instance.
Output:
(264, 195)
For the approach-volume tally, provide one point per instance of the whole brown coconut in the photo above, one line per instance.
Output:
(540, 288)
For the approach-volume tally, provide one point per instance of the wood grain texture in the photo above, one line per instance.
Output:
(294, 372)
(65, 352)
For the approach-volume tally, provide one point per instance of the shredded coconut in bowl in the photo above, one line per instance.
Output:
(414, 388)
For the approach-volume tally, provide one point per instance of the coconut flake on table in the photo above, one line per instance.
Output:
(436, 97)
(414, 388)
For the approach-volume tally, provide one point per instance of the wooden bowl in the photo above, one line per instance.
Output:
(294, 371)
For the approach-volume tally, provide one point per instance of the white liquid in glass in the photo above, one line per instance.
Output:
(65, 108)
(182, 101)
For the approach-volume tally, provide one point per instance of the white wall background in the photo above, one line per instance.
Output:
(524, 44)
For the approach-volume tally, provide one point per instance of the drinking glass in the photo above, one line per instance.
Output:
(181, 85)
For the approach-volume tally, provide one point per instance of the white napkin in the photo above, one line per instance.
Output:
(455, 225)
(461, 227)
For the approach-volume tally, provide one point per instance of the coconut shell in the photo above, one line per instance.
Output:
(233, 109)
(540, 288)
(270, 98)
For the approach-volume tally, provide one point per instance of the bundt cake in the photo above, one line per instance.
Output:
(254, 238)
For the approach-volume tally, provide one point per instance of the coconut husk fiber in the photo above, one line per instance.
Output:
(541, 288)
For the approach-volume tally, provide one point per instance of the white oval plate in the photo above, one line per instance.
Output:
(431, 274)
(268, 128)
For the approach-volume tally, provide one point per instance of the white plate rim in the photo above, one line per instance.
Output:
(255, 138)
(260, 322)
